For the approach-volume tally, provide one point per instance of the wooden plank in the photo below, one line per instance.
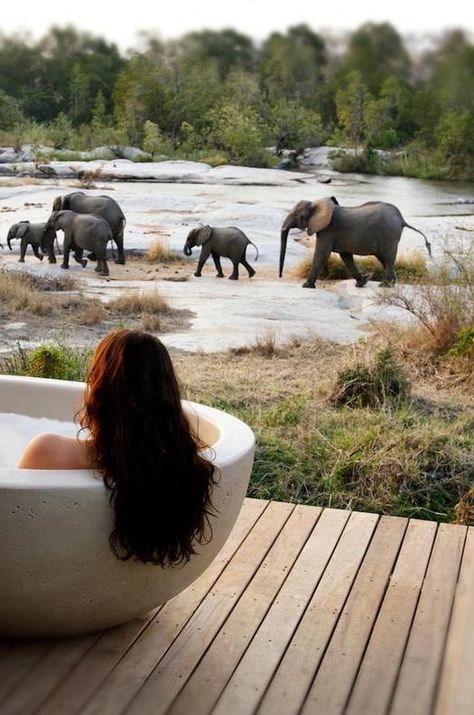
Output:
(456, 689)
(23, 656)
(335, 677)
(296, 671)
(254, 672)
(416, 685)
(379, 668)
(183, 655)
(41, 680)
(119, 688)
(139, 643)
(214, 670)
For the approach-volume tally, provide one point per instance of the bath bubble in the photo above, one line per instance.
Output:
(17, 430)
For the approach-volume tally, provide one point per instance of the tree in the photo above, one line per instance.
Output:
(351, 100)
(293, 126)
(229, 48)
(376, 51)
(292, 65)
(10, 113)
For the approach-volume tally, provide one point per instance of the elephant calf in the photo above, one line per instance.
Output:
(82, 231)
(34, 235)
(228, 242)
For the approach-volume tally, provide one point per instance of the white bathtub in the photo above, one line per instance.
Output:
(58, 575)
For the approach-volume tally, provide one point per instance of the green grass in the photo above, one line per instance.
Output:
(401, 462)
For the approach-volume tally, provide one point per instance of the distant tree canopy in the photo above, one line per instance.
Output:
(217, 91)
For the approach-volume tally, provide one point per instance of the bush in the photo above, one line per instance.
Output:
(61, 362)
(375, 385)
(443, 301)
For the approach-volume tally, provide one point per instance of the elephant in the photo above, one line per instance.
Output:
(374, 228)
(34, 235)
(103, 206)
(82, 231)
(229, 242)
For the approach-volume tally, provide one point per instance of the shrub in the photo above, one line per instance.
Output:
(375, 385)
(443, 301)
(60, 361)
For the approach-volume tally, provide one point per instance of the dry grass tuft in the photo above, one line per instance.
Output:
(17, 295)
(160, 252)
(139, 303)
(265, 346)
(93, 313)
(409, 268)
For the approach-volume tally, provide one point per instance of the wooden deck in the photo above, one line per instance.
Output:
(305, 610)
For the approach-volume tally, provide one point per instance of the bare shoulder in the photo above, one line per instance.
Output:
(54, 451)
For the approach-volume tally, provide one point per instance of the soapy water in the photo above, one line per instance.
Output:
(17, 430)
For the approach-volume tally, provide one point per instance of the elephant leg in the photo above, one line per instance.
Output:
(66, 251)
(234, 276)
(78, 253)
(205, 253)
(102, 267)
(388, 262)
(51, 256)
(348, 259)
(321, 255)
(36, 252)
(249, 268)
(118, 239)
(217, 262)
(23, 245)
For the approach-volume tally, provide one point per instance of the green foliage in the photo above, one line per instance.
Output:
(239, 133)
(151, 138)
(294, 126)
(10, 113)
(73, 90)
(463, 345)
(382, 383)
(60, 131)
(59, 361)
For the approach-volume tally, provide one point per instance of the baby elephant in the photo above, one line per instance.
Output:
(34, 235)
(229, 242)
(82, 231)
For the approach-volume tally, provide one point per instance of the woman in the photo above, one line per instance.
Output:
(140, 440)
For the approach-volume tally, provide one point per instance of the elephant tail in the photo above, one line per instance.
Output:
(427, 243)
(253, 244)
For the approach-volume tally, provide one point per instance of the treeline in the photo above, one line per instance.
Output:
(217, 96)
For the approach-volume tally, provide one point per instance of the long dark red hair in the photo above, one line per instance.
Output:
(142, 443)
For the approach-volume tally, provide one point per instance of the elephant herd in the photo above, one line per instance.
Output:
(90, 222)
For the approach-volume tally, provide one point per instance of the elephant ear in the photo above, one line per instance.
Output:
(203, 235)
(22, 229)
(58, 203)
(321, 215)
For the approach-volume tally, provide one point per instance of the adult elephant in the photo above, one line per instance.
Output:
(372, 229)
(82, 231)
(34, 235)
(103, 206)
(229, 242)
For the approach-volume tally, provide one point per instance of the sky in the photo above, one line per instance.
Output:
(257, 18)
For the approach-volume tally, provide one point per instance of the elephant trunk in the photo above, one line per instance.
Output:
(283, 241)
(9, 243)
(186, 250)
